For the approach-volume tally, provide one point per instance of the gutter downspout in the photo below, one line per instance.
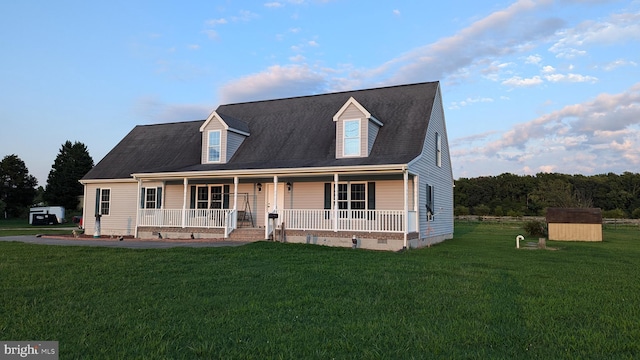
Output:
(185, 185)
(405, 175)
(138, 207)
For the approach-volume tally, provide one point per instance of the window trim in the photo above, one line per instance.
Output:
(213, 147)
(349, 210)
(345, 138)
(209, 200)
(430, 201)
(105, 202)
(438, 150)
(157, 197)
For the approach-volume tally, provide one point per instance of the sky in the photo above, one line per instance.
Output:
(527, 86)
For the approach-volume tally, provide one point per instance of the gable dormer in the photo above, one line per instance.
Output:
(221, 137)
(356, 130)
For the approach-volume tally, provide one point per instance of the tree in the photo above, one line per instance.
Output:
(17, 187)
(71, 164)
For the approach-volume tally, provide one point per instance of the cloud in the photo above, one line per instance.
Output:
(156, 111)
(274, 4)
(215, 22)
(618, 28)
(570, 78)
(601, 133)
(469, 101)
(533, 59)
(618, 63)
(513, 25)
(517, 81)
(276, 82)
(396, 12)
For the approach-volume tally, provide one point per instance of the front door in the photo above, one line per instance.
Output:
(269, 201)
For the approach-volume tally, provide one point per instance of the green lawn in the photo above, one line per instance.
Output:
(12, 227)
(475, 296)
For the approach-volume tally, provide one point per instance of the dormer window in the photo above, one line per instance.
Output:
(214, 146)
(356, 130)
(351, 137)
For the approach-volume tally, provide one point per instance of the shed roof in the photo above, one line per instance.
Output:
(574, 215)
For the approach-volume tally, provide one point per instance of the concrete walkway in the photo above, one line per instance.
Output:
(127, 243)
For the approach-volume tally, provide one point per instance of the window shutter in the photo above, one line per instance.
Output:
(97, 201)
(327, 199)
(192, 204)
(225, 197)
(371, 196)
(159, 198)
(327, 196)
(142, 197)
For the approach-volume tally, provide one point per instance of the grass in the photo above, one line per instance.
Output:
(475, 296)
(14, 227)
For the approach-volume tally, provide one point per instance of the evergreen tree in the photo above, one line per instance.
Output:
(71, 164)
(17, 187)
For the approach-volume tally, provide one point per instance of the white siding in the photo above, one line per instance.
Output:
(122, 209)
(174, 197)
(373, 133)
(439, 177)
(234, 140)
(308, 195)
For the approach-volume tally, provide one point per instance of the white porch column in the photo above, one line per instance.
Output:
(185, 184)
(335, 202)
(275, 193)
(235, 193)
(416, 200)
(138, 207)
(405, 174)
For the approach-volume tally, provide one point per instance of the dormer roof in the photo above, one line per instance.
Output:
(230, 123)
(362, 109)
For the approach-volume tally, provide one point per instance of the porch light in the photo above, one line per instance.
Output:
(259, 185)
(289, 186)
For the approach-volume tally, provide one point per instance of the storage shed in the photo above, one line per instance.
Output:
(574, 224)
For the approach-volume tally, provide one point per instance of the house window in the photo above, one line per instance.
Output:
(214, 146)
(209, 197)
(351, 139)
(429, 201)
(438, 150)
(151, 198)
(105, 200)
(352, 200)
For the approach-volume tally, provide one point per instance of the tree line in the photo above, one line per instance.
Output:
(19, 190)
(618, 195)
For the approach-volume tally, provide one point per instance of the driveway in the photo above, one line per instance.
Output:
(127, 243)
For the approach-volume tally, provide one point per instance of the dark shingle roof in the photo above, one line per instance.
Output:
(285, 133)
(151, 148)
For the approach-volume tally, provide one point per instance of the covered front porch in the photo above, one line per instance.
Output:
(380, 201)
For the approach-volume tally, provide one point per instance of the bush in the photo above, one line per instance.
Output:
(461, 210)
(535, 228)
(636, 213)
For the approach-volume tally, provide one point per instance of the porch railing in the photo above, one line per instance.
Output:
(348, 220)
(200, 218)
(294, 219)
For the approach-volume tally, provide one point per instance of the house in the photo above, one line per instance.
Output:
(368, 166)
(574, 224)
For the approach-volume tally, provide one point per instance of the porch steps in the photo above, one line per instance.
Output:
(246, 234)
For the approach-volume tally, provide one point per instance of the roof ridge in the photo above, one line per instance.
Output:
(328, 93)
